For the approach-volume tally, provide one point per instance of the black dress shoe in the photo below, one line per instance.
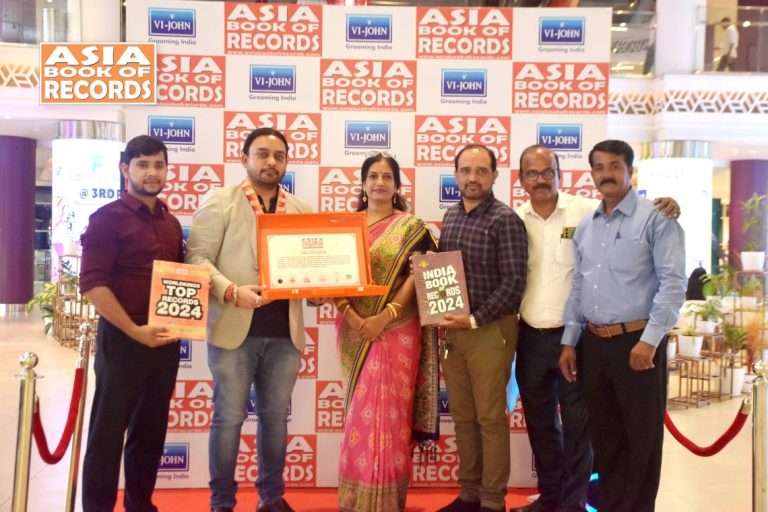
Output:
(278, 505)
(536, 506)
(459, 505)
(223, 509)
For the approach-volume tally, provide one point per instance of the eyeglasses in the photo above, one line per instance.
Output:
(371, 154)
(547, 174)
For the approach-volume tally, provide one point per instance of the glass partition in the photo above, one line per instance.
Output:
(748, 26)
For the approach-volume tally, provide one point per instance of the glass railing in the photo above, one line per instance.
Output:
(749, 25)
(633, 35)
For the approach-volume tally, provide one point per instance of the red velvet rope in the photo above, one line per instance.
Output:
(66, 436)
(722, 441)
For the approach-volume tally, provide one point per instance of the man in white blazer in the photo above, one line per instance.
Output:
(250, 340)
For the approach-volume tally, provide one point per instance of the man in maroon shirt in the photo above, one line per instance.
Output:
(136, 363)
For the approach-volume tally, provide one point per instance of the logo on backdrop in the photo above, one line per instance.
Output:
(559, 137)
(325, 313)
(172, 130)
(171, 22)
(517, 419)
(273, 79)
(289, 182)
(340, 188)
(301, 130)
(329, 411)
(89, 73)
(371, 28)
(185, 354)
(191, 406)
(561, 31)
(463, 33)
(175, 458)
(366, 135)
(187, 185)
(191, 80)
(300, 460)
(439, 138)
(374, 85)
(467, 84)
(443, 409)
(440, 470)
(575, 88)
(449, 191)
(308, 368)
(272, 29)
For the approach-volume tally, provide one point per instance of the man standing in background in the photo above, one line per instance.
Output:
(731, 43)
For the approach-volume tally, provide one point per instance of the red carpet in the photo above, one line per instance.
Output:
(312, 500)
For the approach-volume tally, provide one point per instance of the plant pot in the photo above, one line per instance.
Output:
(706, 326)
(749, 302)
(752, 260)
(733, 380)
(689, 346)
(671, 350)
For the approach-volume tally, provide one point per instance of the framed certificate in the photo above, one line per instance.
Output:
(314, 255)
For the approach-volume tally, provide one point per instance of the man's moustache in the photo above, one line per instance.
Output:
(608, 180)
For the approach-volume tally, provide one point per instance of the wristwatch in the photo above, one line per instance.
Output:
(472, 322)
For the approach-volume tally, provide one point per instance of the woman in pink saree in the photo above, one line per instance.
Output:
(388, 361)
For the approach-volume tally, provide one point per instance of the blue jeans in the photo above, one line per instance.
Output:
(271, 364)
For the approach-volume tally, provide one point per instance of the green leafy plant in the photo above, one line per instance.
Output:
(45, 301)
(690, 330)
(734, 339)
(752, 288)
(710, 311)
(719, 284)
(753, 222)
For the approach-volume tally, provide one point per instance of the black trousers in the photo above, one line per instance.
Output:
(626, 420)
(134, 384)
(560, 442)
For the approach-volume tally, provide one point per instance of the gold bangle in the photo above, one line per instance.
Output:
(234, 295)
(343, 302)
(397, 305)
(392, 310)
(345, 307)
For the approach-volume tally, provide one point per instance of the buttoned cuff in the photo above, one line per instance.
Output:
(571, 334)
(652, 334)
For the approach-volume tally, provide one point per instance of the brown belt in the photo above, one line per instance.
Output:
(607, 331)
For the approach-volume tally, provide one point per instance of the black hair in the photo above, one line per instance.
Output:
(529, 149)
(491, 154)
(143, 145)
(399, 202)
(617, 147)
(258, 132)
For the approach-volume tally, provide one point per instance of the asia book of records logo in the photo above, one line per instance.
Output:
(273, 79)
(172, 130)
(367, 134)
(372, 28)
(464, 82)
(559, 137)
(175, 457)
(561, 31)
(288, 182)
(449, 191)
(172, 22)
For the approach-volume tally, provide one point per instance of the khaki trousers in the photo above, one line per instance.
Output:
(476, 371)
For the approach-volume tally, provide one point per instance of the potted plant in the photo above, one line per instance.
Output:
(753, 227)
(751, 291)
(735, 340)
(718, 285)
(710, 313)
(689, 343)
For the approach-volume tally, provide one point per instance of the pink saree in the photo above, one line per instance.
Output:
(391, 383)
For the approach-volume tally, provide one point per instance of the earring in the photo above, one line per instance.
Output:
(365, 197)
(394, 199)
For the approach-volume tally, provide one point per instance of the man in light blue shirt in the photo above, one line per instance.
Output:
(628, 286)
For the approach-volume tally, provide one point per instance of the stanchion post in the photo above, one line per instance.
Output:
(28, 361)
(77, 435)
(759, 434)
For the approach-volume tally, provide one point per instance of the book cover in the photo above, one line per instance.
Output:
(441, 286)
(179, 298)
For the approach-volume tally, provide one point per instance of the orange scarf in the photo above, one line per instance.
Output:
(253, 198)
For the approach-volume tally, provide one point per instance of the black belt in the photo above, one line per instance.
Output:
(543, 330)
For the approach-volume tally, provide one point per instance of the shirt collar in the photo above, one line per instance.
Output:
(482, 207)
(562, 199)
(625, 206)
(135, 205)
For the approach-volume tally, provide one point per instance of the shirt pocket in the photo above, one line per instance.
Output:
(563, 253)
(628, 255)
